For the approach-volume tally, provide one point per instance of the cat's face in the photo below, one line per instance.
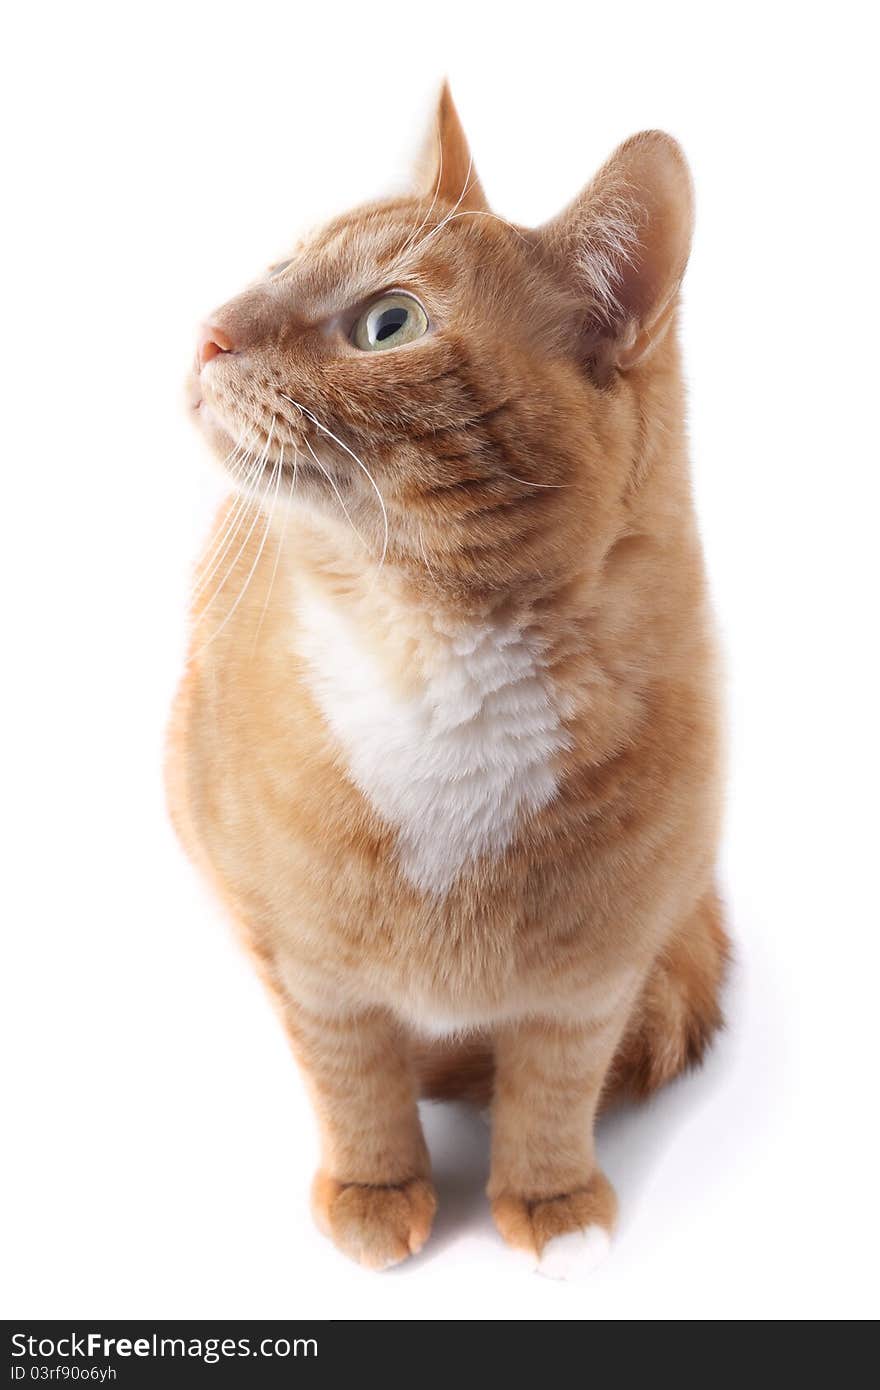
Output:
(434, 374)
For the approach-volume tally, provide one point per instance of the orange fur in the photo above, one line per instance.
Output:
(530, 454)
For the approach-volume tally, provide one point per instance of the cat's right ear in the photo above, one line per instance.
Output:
(446, 170)
(622, 247)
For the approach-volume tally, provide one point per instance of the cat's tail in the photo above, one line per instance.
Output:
(679, 1010)
(674, 1021)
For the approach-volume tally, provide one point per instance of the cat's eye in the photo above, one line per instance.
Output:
(278, 269)
(390, 322)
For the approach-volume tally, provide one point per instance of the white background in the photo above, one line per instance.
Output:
(159, 1145)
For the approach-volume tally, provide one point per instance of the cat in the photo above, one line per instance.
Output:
(447, 744)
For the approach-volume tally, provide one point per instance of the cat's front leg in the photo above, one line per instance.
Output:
(373, 1194)
(549, 1199)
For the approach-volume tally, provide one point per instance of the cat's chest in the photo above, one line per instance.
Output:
(459, 759)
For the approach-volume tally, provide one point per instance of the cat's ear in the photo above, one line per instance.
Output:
(446, 169)
(623, 246)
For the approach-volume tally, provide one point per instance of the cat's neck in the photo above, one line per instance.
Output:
(411, 590)
(574, 590)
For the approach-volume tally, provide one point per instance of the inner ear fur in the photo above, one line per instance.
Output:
(623, 245)
(446, 169)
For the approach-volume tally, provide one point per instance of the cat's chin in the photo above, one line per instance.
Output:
(214, 430)
(193, 391)
(208, 419)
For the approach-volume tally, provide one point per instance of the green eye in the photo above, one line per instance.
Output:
(393, 320)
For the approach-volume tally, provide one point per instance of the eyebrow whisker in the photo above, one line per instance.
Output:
(440, 225)
(427, 217)
(483, 212)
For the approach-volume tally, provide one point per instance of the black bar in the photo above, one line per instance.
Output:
(92, 1352)
(123, 1353)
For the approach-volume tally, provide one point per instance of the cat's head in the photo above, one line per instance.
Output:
(458, 389)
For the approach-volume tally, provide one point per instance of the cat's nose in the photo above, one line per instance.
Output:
(211, 342)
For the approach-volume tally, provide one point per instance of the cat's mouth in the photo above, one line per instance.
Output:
(286, 455)
(274, 461)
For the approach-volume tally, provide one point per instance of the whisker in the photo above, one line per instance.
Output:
(427, 217)
(482, 212)
(279, 547)
(239, 475)
(258, 467)
(338, 495)
(425, 553)
(250, 574)
(525, 482)
(243, 476)
(440, 225)
(361, 465)
(242, 504)
(236, 469)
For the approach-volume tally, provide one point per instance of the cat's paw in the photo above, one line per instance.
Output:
(573, 1256)
(377, 1226)
(562, 1237)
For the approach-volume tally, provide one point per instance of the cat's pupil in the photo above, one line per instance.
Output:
(389, 322)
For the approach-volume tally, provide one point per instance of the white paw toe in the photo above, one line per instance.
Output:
(575, 1255)
(526, 1261)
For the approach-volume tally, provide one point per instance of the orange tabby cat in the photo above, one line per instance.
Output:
(447, 744)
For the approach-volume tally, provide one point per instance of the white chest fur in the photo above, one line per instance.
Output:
(454, 766)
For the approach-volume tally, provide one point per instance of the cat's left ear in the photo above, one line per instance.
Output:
(446, 170)
(623, 245)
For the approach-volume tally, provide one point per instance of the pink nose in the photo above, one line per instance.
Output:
(212, 341)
